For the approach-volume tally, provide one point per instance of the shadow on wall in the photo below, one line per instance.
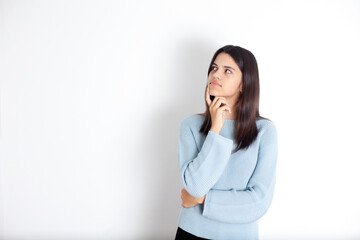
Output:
(190, 70)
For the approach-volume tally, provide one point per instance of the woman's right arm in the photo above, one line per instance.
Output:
(200, 170)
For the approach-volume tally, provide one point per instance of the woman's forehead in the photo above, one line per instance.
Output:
(225, 60)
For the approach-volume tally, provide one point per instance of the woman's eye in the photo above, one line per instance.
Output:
(214, 67)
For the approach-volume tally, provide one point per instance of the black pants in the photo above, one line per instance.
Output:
(183, 235)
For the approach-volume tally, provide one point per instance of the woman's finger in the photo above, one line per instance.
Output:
(216, 98)
(214, 102)
(208, 99)
(207, 96)
(219, 101)
(224, 108)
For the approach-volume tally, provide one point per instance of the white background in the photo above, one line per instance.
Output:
(93, 92)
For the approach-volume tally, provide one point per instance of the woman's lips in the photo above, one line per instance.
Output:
(215, 84)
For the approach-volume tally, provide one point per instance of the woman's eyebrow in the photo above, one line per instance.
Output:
(225, 66)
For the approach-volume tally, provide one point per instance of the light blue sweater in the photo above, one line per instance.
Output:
(239, 187)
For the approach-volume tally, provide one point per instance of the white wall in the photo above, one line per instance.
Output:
(93, 92)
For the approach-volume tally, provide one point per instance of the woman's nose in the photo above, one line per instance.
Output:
(217, 75)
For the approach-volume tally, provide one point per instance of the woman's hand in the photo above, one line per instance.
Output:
(217, 113)
(190, 201)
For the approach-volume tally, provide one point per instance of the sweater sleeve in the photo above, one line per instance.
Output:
(248, 205)
(200, 170)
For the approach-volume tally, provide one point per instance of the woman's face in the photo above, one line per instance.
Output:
(228, 75)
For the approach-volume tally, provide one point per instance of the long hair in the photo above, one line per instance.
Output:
(246, 108)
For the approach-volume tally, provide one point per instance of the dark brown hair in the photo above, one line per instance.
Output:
(246, 108)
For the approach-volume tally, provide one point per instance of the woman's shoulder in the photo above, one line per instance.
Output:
(264, 120)
(265, 124)
(193, 120)
(195, 116)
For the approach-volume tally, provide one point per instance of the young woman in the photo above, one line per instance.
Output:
(227, 155)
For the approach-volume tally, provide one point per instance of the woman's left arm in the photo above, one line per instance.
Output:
(243, 206)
